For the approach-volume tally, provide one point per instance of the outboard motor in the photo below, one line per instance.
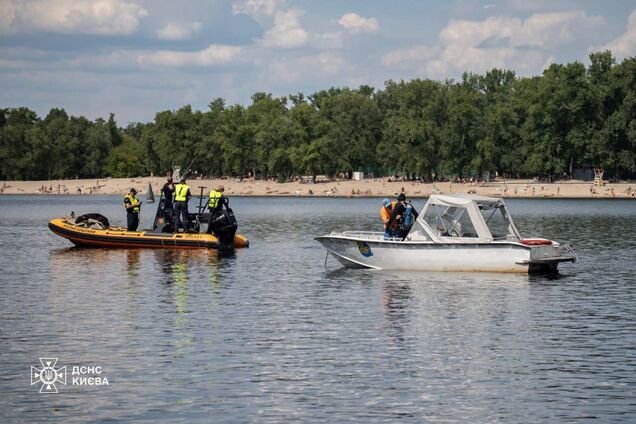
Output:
(163, 218)
(224, 228)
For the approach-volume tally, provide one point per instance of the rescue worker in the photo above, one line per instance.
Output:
(215, 204)
(404, 214)
(181, 197)
(168, 191)
(385, 214)
(222, 222)
(133, 206)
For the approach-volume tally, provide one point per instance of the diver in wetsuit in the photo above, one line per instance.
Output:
(405, 215)
(215, 205)
(222, 221)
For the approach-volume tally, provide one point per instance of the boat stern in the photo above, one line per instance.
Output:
(545, 256)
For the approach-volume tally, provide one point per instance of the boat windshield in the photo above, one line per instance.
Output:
(496, 219)
(450, 221)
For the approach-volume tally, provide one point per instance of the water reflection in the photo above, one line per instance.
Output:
(132, 263)
(396, 299)
(271, 335)
(83, 262)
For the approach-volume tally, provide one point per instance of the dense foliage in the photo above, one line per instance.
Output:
(569, 117)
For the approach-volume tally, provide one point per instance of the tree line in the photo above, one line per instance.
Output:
(570, 116)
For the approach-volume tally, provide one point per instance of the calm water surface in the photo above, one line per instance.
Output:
(271, 335)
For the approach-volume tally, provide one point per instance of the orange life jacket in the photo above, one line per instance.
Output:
(385, 213)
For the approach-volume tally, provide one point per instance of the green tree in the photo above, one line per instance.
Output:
(127, 159)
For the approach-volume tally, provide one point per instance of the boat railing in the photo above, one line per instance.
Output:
(569, 249)
(367, 235)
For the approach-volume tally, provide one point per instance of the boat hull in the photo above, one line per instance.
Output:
(115, 237)
(428, 256)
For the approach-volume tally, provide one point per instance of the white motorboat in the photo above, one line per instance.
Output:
(452, 233)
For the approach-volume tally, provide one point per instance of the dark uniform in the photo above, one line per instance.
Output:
(133, 206)
(168, 191)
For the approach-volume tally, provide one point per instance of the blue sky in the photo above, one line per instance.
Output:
(137, 57)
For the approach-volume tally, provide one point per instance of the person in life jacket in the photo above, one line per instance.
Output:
(404, 214)
(181, 197)
(222, 220)
(133, 206)
(385, 214)
(215, 205)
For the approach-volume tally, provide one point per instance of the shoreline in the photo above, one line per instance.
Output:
(379, 187)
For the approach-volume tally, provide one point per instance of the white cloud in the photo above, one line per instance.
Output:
(475, 59)
(355, 23)
(557, 28)
(256, 8)
(177, 31)
(114, 60)
(498, 41)
(625, 44)
(410, 54)
(125, 59)
(549, 61)
(214, 54)
(327, 40)
(470, 33)
(286, 32)
(319, 66)
(13, 64)
(538, 30)
(526, 6)
(9, 13)
(101, 17)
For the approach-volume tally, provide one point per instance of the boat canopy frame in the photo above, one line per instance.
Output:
(449, 210)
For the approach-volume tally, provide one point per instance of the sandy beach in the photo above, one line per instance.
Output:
(340, 188)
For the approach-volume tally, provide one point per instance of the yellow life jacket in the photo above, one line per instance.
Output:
(180, 192)
(136, 207)
(215, 196)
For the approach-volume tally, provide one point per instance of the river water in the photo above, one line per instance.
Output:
(272, 335)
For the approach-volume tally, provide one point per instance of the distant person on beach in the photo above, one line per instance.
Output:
(181, 197)
(168, 191)
(385, 214)
(133, 206)
(404, 214)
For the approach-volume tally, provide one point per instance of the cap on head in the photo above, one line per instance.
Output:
(386, 203)
(401, 197)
